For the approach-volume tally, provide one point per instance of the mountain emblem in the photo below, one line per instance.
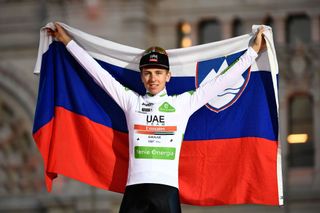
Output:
(210, 69)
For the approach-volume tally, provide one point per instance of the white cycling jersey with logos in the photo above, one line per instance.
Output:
(157, 123)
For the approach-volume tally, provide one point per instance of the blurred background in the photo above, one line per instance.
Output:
(171, 24)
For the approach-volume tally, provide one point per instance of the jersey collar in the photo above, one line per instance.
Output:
(160, 95)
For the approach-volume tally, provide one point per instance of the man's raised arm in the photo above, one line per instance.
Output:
(118, 92)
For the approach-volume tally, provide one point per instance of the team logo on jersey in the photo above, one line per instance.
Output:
(166, 107)
(155, 119)
(211, 69)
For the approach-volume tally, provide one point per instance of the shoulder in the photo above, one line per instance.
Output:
(183, 96)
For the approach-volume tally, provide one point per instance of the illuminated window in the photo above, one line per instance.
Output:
(210, 31)
(184, 35)
(269, 22)
(298, 29)
(300, 137)
(237, 27)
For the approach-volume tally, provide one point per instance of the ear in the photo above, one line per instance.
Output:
(168, 76)
(141, 74)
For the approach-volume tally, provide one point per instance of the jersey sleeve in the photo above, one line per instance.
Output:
(203, 94)
(120, 94)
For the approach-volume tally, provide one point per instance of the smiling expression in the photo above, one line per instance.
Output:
(155, 79)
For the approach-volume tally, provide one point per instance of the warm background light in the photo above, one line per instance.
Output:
(186, 28)
(297, 138)
(186, 42)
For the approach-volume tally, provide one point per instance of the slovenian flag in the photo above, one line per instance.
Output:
(230, 153)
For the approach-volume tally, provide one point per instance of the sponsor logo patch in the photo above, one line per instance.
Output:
(146, 109)
(147, 104)
(153, 58)
(166, 107)
(158, 153)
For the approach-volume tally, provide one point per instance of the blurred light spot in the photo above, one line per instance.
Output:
(297, 138)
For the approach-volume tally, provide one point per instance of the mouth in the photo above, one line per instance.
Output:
(152, 86)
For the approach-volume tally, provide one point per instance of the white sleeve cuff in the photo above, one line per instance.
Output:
(252, 52)
(70, 44)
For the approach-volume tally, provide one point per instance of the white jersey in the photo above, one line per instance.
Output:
(157, 123)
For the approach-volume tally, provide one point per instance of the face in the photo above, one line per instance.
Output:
(154, 79)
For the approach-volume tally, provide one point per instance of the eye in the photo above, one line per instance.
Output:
(146, 73)
(159, 72)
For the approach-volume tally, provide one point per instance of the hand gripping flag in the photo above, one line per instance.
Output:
(230, 153)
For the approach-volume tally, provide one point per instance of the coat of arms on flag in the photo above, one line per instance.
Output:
(210, 69)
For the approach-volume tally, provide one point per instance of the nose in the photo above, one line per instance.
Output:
(152, 78)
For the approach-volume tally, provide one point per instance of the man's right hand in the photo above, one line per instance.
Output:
(60, 34)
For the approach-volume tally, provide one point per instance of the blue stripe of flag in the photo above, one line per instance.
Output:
(63, 82)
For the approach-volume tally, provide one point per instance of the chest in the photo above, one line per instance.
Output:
(155, 124)
(161, 113)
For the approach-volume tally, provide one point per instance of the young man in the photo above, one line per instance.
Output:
(156, 121)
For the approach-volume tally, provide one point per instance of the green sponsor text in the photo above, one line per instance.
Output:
(149, 152)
